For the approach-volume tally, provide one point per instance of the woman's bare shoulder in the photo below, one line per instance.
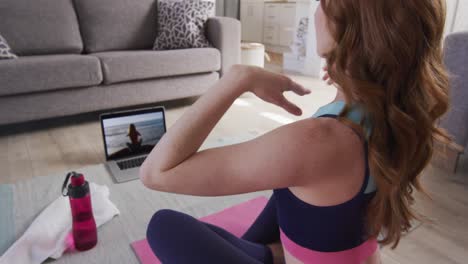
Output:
(332, 149)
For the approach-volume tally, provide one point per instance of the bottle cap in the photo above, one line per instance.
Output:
(78, 187)
(77, 179)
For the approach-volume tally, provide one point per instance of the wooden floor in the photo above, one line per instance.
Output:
(61, 145)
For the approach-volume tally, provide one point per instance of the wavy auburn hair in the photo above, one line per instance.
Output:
(388, 59)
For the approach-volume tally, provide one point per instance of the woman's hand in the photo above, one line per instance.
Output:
(270, 87)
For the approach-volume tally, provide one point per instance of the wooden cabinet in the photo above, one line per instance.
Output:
(271, 23)
(279, 23)
(270, 34)
(252, 20)
(272, 13)
(287, 14)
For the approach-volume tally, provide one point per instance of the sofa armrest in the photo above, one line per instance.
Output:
(225, 34)
(455, 58)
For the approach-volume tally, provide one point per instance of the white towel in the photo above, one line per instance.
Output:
(47, 235)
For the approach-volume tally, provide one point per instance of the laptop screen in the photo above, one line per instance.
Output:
(134, 133)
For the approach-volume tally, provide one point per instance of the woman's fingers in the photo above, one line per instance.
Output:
(290, 107)
(297, 88)
(300, 90)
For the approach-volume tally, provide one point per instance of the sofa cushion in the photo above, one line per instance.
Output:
(124, 66)
(5, 50)
(108, 25)
(43, 73)
(35, 27)
(181, 24)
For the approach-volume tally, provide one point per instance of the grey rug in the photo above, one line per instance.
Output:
(136, 203)
(6, 217)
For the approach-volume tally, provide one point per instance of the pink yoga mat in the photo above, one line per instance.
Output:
(235, 219)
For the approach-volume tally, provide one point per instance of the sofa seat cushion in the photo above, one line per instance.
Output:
(125, 66)
(43, 73)
(40, 27)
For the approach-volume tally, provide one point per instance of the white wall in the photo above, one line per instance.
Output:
(457, 16)
(451, 13)
(229, 8)
(461, 20)
(219, 7)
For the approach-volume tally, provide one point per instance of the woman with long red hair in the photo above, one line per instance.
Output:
(343, 180)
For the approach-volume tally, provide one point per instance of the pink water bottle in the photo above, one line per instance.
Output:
(84, 226)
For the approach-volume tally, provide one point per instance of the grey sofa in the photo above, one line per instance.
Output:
(79, 56)
(456, 120)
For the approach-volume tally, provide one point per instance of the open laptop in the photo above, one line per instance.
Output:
(129, 137)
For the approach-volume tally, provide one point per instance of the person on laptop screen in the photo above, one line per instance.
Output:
(129, 136)
(133, 134)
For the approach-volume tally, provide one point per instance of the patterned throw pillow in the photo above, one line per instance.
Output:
(5, 51)
(182, 24)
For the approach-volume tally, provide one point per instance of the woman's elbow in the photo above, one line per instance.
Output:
(148, 177)
(154, 179)
(144, 177)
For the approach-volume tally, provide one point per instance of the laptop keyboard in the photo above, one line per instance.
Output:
(131, 163)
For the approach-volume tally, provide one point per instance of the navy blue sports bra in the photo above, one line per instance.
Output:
(318, 234)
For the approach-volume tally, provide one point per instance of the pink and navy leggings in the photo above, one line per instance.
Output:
(178, 238)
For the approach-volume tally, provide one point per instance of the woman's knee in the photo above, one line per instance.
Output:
(162, 233)
(163, 219)
(164, 225)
